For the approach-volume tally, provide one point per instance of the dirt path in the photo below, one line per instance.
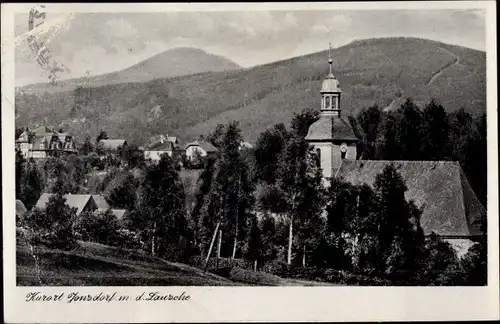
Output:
(438, 73)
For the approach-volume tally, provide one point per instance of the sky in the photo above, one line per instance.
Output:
(97, 43)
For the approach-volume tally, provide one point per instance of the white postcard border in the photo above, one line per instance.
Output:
(209, 304)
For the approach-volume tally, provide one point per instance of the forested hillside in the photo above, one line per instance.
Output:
(376, 71)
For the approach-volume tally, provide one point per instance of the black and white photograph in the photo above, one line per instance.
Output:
(251, 148)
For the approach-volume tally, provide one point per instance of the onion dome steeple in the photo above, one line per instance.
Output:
(330, 92)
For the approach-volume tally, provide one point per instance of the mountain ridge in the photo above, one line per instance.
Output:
(174, 62)
(374, 71)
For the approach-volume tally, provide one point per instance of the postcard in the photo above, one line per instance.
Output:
(249, 162)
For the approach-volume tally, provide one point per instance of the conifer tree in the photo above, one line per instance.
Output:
(410, 130)
(268, 149)
(31, 184)
(435, 132)
(20, 171)
(400, 230)
(123, 194)
(369, 120)
(161, 214)
(388, 145)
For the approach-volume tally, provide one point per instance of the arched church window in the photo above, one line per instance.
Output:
(327, 103)
(334, 103)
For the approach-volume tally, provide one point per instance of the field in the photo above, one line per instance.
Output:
(93, 264)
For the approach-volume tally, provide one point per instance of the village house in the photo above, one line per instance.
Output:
(159, 145)
(449, 206)
(245, 145)
(199, 148)
(43, 142)
(100, 202)
(120, 214)
(84, 203)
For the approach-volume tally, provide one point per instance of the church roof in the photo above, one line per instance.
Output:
(440, 188)
(331, 128)
(330, 84)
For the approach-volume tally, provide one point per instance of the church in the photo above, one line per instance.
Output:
(449, 206)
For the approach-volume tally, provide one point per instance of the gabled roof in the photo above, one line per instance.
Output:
(155, 139)
(206, 146)
(43, 130)
(119, 213)
(450, 207)
(159, 146)
(38, 141)
(20, 208)
(24, 137)
(112, 144)
(75, 201)
(172, 139)
(100, 201)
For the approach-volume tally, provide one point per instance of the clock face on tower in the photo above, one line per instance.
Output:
(343, 147)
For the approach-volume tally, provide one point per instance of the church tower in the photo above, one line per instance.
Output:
(332, 135)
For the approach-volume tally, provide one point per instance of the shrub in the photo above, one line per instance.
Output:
(128, 239)
(277, 267)
(474, 266)
(99, 227)
(254, 278)
(53, 226)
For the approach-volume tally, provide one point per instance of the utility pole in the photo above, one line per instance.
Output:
(211, 246)
(218, 250)
(214, 236)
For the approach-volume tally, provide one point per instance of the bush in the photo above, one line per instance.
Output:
(128, 239)
(53, 226)
(254, 278)
(474, 266)
(441, 265)
(99, 227)
(278, 268)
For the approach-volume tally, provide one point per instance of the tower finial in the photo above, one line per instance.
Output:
(330, 60)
